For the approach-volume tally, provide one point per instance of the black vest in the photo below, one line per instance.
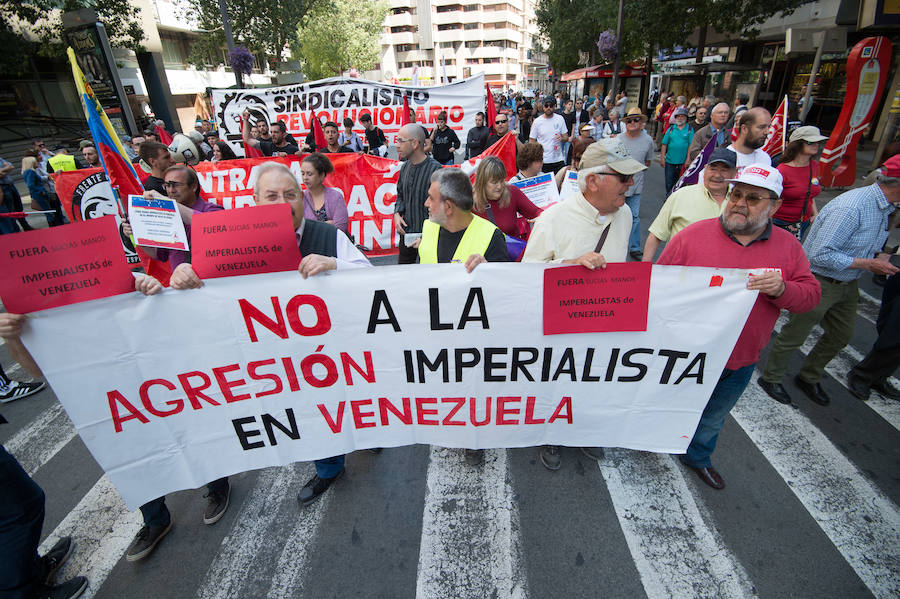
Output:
(318, 238)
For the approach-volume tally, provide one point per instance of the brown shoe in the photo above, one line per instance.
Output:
(710, 477)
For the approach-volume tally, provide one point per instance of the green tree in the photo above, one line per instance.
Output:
(265, 27)
(32, 26)
(337, 35)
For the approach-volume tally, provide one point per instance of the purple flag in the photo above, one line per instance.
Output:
(692, 173)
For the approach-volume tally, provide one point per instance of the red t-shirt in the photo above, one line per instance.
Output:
(705, 243)
(505, 218)
(796, 181)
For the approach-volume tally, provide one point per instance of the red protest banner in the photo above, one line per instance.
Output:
(578, 300)
(369, 185)
(46, 268)
(228, 243)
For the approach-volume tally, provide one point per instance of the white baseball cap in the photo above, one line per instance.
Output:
(761, 176)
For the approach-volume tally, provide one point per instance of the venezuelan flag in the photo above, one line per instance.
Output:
(119, 170)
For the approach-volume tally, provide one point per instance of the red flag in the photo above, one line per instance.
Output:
(777, 131)
(735, 131)
(164, 136)
(318, 132)
(404, 115)
(490, 108)
(250, 151)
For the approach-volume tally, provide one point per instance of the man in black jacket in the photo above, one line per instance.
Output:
(476, 140)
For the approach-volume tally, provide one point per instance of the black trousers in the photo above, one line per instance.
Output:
(884, 357)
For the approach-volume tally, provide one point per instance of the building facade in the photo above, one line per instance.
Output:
(449, 40)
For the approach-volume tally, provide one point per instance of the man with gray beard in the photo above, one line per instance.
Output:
(743, 237)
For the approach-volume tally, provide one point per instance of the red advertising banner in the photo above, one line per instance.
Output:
(46, 268)
(579, 300)
(369, 185)
(228, 243)
(867, 72)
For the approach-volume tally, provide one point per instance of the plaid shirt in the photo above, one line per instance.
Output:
(852, 225)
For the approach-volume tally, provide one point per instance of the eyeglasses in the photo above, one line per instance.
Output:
(622, 178)
(400, 140)
(175, 184)
(500, 122)
(635, 119)
(752, 199)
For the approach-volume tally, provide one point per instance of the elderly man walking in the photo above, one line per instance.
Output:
(846, 239)
(743, 237)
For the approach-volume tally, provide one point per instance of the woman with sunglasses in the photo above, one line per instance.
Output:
(800, 171)
(498, 202)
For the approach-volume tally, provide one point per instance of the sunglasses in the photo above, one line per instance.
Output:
(635, 119)
(500, 122)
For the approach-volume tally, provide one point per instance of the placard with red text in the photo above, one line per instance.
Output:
(47, 268)
(579, 300)
(247, 241)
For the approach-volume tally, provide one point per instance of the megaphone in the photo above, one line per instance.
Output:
(184, 148)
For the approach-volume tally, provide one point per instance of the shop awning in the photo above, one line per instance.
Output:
(600, 71)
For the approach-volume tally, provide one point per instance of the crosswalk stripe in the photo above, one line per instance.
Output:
(102, 528)
(229, 570)
(37, 443)
(668, 536)
(292, 563)
(862, 523)
(869, 306)
(841, 364)
(470, 546)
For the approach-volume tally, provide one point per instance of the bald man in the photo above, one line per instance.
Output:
(412, 190)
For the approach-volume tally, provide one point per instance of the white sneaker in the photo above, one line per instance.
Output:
(14, 390)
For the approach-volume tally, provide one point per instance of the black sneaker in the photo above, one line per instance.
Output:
(216, 505)
(56, 557)
(14, 390)
(146, 540)
(314, 488)
(594, 453)
(550, 457)
(70, 589)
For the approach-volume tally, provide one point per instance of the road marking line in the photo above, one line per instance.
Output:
(860, 520)
(102, 528)
(869, 306)
(37, 443)
(234, 557)
(470, 546)
(291, 568)
(841, 364)
(669, 539)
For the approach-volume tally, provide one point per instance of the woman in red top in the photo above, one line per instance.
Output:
(801, 183)
(498, 202)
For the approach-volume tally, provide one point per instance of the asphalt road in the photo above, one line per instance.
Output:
(810, 510)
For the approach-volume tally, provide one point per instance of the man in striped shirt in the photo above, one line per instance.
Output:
(846, 239)
(412, 190)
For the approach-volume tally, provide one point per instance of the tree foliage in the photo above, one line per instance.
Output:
(573, 25)
(265, 27)
(337, 35)
(35, 26)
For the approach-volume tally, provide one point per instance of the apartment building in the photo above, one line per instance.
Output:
(431, 40)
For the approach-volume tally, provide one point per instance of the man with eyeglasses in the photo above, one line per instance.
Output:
(324, 247)
(413, 182)
(743, 237)
(589, 228)
(476, 138)
(846, 239)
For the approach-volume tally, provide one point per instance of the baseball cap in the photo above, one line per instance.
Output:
(891, 167)
(549, 102)
(612, 153)
(807, 133)
(681, 112)
(758, 175)
(723, 155)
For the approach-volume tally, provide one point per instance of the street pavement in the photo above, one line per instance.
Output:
(810, 510)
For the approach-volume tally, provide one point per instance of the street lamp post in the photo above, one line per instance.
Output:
(229, 39)
(617, 61)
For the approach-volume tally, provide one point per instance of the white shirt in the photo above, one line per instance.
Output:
(543, 130)
(571, 228)
(757, 156)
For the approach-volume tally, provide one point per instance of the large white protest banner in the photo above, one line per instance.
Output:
(174, 390)
(338, 98)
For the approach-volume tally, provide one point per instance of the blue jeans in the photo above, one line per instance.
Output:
(157, 514)
(21, 519)
(727, 392)
(329, 467)
(634, 240)
(673, 171)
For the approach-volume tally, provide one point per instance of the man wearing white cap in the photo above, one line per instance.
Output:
(589, 228)
(743, 237)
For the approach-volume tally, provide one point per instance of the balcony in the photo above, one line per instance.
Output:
(406, 37)
(400, 20)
